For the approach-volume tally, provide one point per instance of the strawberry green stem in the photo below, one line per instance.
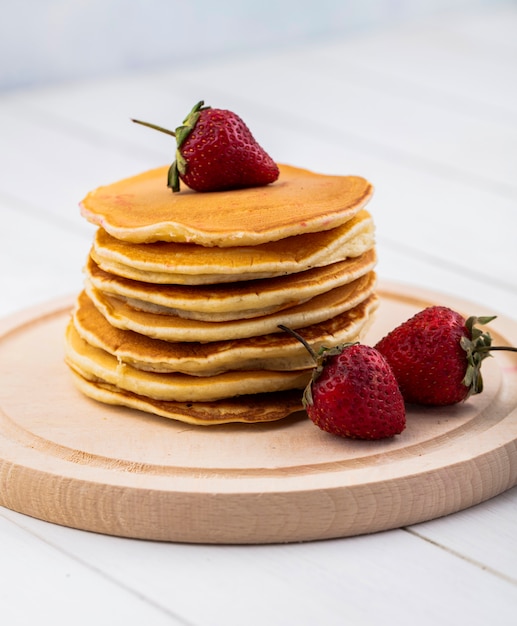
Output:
(507, 348)
(155, 127)
(300, 339)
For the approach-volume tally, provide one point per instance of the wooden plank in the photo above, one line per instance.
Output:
(490, 532)
(47, 253)
(58, 584)
(46, 167)
(329, 582)
(464, 64)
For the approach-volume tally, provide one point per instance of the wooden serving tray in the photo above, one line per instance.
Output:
(69, 460)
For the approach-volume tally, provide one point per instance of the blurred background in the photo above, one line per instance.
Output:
(49, 41)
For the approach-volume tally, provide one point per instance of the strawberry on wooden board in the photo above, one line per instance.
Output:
(216, 151)
(436, 356)
(353, 393)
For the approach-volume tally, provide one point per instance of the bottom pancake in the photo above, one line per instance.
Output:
(96, 364)
(251, 409)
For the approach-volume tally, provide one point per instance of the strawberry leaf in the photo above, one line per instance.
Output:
(477, 348)
(182, 132)
(173, 179)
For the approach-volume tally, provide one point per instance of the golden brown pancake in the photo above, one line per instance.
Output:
(279, 351)
(254, 409)
(184, 264)
(142, 209)
(96, 364)
(227, 301)
(175, 328)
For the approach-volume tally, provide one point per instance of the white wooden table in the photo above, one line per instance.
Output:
(429, 114)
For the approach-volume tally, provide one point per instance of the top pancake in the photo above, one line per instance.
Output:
(142, 209)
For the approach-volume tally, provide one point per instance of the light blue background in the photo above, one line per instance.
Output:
(55, 40)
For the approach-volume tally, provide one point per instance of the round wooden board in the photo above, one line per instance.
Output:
(69, 460)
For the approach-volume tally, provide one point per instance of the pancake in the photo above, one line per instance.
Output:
(246, 409)
(190, 264)
(96, 364)
(175, 328)
(142, 209)
(279, 351)
(227, 301)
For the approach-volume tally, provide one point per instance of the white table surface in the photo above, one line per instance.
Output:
(428, 113)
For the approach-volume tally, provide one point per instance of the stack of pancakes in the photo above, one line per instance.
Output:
(184, 293)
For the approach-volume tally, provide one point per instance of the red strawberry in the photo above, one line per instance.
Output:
(353, 393)
(216, 151)
(436, 356)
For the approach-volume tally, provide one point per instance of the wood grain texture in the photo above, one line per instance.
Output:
(75, 462)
